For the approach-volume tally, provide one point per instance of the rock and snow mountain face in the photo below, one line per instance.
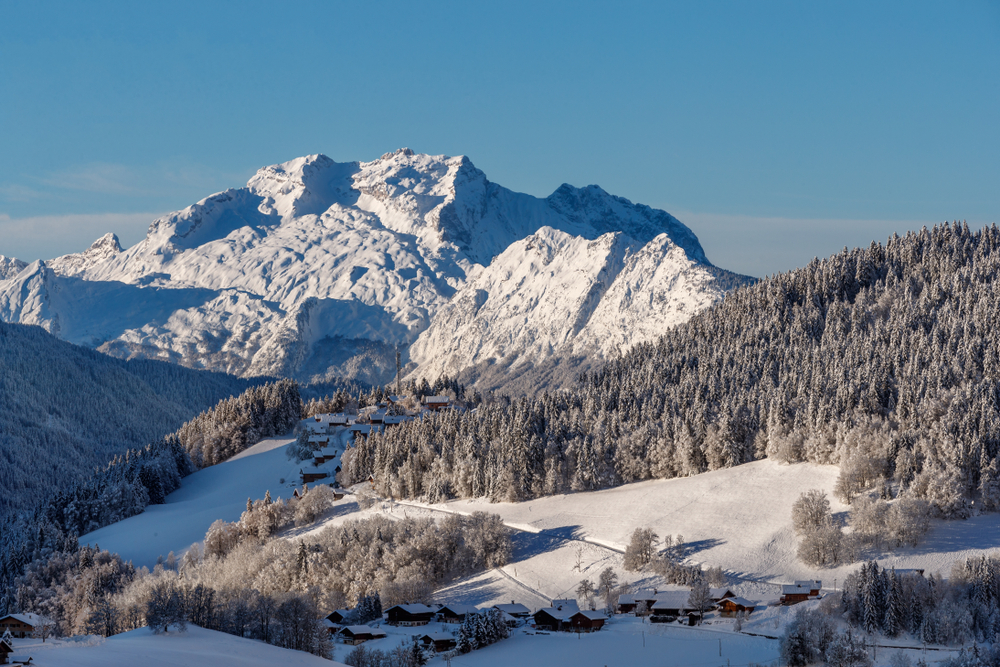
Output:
(318, 269)
(557, 296)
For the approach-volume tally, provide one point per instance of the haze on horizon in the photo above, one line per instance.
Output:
(776, 131)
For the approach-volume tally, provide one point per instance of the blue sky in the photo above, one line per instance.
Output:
(777, 131)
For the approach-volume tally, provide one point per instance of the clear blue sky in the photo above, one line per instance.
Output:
(777, 131)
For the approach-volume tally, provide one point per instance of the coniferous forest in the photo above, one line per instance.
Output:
(884, 360)
(68, 410)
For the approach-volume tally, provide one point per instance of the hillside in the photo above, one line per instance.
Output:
(885, 360)
(68, 409)
(318, 269)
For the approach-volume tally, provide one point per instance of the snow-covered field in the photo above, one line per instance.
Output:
(195, 647)
(217, 492)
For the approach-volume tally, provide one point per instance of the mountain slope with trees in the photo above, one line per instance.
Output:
(884, 360)
(67, 410)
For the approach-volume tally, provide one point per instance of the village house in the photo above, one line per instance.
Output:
(672, 603)
(324, 455)
(20, 625)
(339, 616)
(313, 474)
(395, 420)
(440, 640)
(359, 634)
(814, 586)
(558, 616)
(410, 614)
(586, 621)
(436, 403)
(734, 605)
(456, 613)
(630, 602)
(5, 651)
(518, 611)
(717, 594)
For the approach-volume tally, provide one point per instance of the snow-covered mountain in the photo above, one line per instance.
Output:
(554, 296)
(318, 268)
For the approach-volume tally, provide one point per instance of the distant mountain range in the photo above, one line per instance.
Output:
(318, 269)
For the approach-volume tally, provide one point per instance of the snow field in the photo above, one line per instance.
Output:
(216, 492)
(195, 647)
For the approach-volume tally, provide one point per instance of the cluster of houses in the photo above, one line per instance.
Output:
(338, 622)
(323, 428)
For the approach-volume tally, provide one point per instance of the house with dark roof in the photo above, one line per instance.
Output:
(408, 615)
(456, 613)
(586, 621)
(441, 641)
(514, 609)
(735, 605)
(359, 634)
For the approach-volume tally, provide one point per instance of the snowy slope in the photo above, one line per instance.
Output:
(10, 267)
(317, 268)
(195, 647)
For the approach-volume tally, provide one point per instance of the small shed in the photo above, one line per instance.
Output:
(441, 641)
(5, 651)
(586, 621)
(408, 615)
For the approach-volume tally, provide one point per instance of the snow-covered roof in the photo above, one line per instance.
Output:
(795, 589)
(561, 614)
(27, 619)
(396, 419)
(319, 438)
(592, 615)
(513, 608)
(741, 602)
(672, 600)
(438, 636)
(719, 593)
(436, 399)
(357, 630)
(566, 604)
(414, 608)
(809, 583)
(459, 609)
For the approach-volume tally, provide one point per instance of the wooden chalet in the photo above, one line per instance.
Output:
(324, 455)
(516, 610)
(441, 641)
(395, 420)
(20, 625)
(410, 614)
(794, 594)
(717, 594)
(814, 586)
(359, 634)
(586, 621)
(319, 440)
(436, 403)
(339, 616)
(5, 651)
(313, 475)
(558, 616)
(629, 602)
(456, 613)
(672, 603)
(734, 605)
